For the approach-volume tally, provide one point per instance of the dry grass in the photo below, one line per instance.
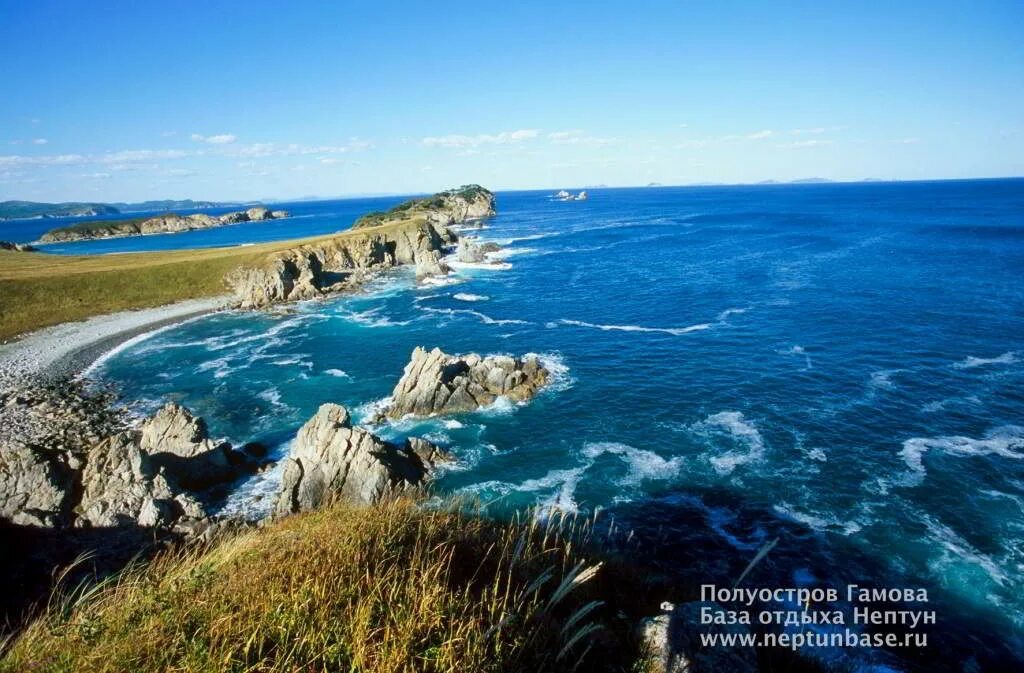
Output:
(390, 588)
(38, 289)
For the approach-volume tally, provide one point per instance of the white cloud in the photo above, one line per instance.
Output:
(220, 139)
(766, 133)
(458, 141)
(908, 141)
(813, 131)
(96, 176)
(799, 144)
(330, 160)
(576, 137)
(40, 141)
(179, 172)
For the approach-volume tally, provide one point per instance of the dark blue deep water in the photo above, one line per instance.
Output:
(838, 366)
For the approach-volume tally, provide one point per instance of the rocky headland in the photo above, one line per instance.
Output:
(435, 382)
(161, 224)
(468, 203)
(417, 233)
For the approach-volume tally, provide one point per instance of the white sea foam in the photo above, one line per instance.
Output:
(452, 424)
(505, 253)
(529, 237)
(559, 377)
(253, 498)
(273, 396)
(341, 374)
(741, 431)
(676, 331)
(724, 315)
(486, 319)
(971, 362)
(1006, 442)
(466, 296)
(642, 464)
(818, 522)
(882, 379)
(799, 350)
(441, 281)
(564, 483)
(296, 360)
(372, 318)
(956, 552)
(480, 266)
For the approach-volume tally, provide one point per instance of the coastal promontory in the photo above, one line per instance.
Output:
(161, 224)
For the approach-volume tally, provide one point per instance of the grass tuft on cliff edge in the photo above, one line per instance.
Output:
(388, 588)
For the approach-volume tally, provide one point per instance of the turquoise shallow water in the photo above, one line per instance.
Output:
(839, 366)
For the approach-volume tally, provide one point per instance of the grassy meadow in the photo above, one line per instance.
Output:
(39, 289)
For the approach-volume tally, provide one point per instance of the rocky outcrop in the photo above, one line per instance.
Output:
(153, 475)
(430, 265)
(161, 224)
(46, 430)
(336, 264)
(331, 458)
(437, 383)
(454, 206)
(673, 641)
(16, 247)
(471, 251)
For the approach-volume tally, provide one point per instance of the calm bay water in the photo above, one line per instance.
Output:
(838, 366)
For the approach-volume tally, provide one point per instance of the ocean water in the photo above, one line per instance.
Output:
(836, 366)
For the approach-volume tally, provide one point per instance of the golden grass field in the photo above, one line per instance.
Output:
(39, 289)
(389, 588)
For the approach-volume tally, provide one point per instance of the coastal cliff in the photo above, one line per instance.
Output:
(336, 264)
(415, 232)
(162, 224)
(447, 208)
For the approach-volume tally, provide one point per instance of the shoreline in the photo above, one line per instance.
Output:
(71, 348)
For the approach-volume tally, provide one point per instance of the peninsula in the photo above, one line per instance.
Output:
(161, 224)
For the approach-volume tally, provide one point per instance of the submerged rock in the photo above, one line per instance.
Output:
(331, 458)
(437, 383)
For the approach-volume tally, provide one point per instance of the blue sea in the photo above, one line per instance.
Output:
(839, 366)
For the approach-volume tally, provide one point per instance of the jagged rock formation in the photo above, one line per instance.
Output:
(430, 265)
(161, 224)
(339, 263)
(474, 252)
(437, 383)
(331, 458)
(16, 247)
(149, 476)
(455, 206)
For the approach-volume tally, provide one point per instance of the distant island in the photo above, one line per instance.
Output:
(161, 224)
(23, 210)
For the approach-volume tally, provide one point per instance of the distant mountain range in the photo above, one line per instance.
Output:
(17, 210)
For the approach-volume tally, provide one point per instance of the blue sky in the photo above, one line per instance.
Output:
(255, 100)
